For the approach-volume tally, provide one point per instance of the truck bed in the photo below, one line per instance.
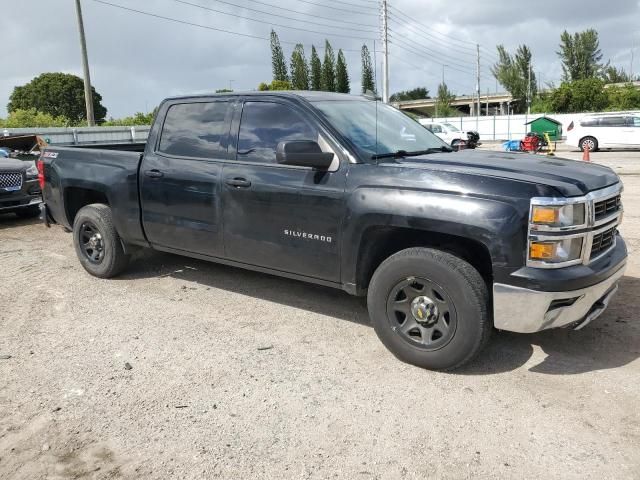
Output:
(112, 172)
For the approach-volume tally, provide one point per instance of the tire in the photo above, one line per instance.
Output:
(104, 256)
(452, 285)
(456, 145)
(590, 142)
(28, 212)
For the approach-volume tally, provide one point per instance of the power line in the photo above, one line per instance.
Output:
(442, 57)
(206, 27)
(431, 38)
(274, 24)
(421, 69)
(336, 8)
(408, 44)
(266, 4)
(400, 12)
(356, 4)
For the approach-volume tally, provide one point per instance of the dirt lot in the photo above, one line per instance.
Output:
(183, 369)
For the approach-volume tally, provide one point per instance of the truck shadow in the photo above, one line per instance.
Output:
(611, 341)
(10, 220)
(314, 298)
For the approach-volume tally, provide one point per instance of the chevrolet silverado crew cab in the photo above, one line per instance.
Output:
(351, 193)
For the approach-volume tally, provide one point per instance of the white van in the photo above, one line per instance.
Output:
(605, 130)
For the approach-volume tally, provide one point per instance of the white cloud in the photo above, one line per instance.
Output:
(138, 60)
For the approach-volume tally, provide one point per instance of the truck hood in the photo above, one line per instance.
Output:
(571, 178)
(13, 165)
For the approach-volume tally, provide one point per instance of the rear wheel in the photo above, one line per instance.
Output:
(97, 242)
(590, 143)
(430, 308)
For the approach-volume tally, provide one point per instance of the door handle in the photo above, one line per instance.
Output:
(238, 182)
(154, 173)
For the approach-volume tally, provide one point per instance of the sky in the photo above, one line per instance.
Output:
(137, 59)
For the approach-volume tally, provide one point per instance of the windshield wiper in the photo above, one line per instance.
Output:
(404, 153)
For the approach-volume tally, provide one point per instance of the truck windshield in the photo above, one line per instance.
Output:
(451, 127)
(377, 129)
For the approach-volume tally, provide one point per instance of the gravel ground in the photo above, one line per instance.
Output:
(184, 369)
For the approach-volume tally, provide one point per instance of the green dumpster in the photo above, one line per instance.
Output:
(544, 124)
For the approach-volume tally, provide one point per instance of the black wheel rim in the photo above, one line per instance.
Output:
(421, 313)
(91, 242)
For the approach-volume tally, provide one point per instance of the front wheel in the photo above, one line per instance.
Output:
(97, 242)
(430, 308)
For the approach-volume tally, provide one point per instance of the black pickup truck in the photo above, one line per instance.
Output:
(350, 193)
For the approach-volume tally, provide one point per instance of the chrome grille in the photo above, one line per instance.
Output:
(10, 181)
(607, 207)
(602, 242)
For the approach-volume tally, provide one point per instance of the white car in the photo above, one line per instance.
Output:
(445, 130)
(605, 130)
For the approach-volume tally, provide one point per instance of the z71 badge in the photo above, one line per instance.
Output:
(307, 236)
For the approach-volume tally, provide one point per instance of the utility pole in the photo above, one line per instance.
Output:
(88, 96)
(477, 83)
(631, 65)
(529, 89)
(385, 51)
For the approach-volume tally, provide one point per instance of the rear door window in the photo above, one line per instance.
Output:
(612, 122)
(636, 121)
(199, 130)
(265, 124)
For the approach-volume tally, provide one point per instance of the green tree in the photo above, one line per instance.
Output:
(138, 118)
(514, 72)
(587, 95)
(443, 101)
(224, 90)
(299, 69)
(613, 74)
(580, 55)
(29, 118)
(274, 85)
(418, 93)
(316, 70)
(626, 97)
(278, 64)
(342, 75)
(328, 77)
(59, 95)
(368, 83)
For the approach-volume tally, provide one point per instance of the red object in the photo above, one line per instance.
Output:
(531, 143)
(40, 165)
(585, 154)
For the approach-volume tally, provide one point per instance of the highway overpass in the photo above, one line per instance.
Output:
(491, 104)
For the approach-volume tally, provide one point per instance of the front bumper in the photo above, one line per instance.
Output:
(11, 204)
(522, 310)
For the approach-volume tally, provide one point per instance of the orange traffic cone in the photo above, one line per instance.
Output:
(585, 154)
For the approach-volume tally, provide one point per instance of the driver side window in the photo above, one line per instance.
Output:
(265, 124)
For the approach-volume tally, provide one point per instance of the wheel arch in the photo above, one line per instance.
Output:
(77, 197)
(380, 242)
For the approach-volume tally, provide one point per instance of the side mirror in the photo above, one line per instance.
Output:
(303, 153)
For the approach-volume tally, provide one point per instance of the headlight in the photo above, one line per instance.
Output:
(558, 216)
(32, 172)
(556, 251)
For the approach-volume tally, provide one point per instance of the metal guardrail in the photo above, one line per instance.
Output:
(85, 135)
